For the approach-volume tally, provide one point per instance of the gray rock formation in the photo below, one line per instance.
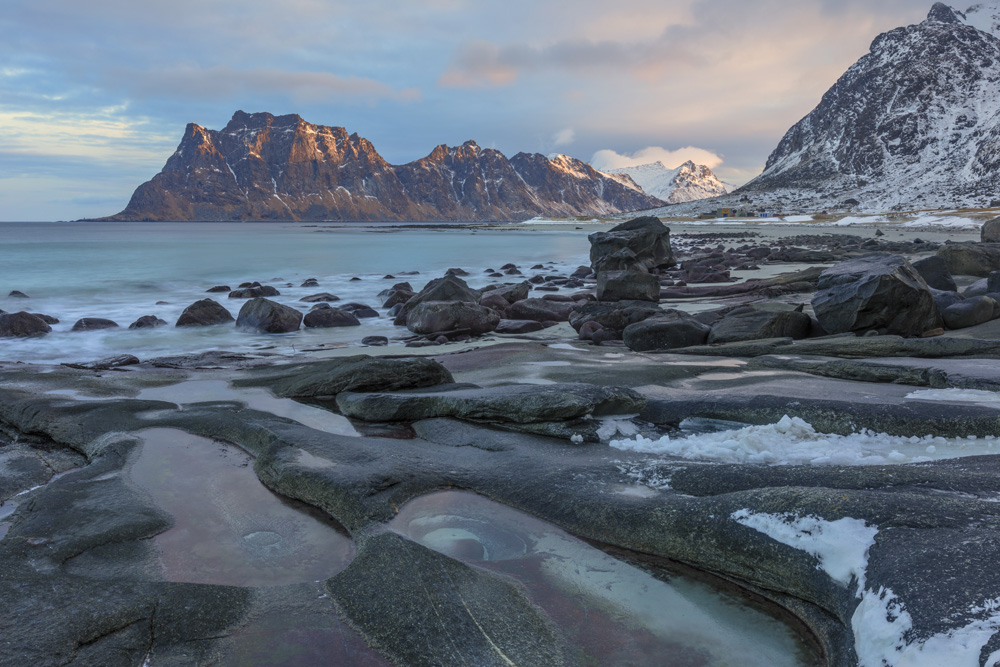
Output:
(430, 317)
(669, 331)
(647, 238)
(204, 313)
(22, 325)
(754, 323)
(875, 292)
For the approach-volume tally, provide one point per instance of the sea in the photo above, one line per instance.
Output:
(123, 271)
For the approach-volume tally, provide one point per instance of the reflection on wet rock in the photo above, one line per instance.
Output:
(612, 612)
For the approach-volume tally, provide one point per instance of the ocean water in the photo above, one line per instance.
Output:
(120, 271)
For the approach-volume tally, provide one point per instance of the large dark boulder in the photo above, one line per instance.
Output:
(875, 292)
(148, 322)
(969, 312)
(327, 318)
(358, 373)
(540, 310)
(623, 260)
(613, 316)
(627, 286)
(934, 271)
(22, 325)
(94, 324)
(990, 233)
(646, 237)
(671, 330)
(265, 316)
(756, 323)
(971, 259)
(442, 316)
(204, 313)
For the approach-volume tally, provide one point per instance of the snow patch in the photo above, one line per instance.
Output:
(956, 395)
(840, 546)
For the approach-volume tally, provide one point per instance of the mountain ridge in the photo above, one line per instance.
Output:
(685, 183)
(266, 167)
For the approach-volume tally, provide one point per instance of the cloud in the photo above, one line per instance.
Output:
(222, 82)
(564, 137)
(609, 159)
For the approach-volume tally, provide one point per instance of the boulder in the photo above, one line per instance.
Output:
(875, 292)
(440, 316)
(541, 310)
(990, 233)
(93, 324)
(107, 363)
(360, 310)
(945, 299)
(204, 313)
(934, 271)
(375, 341)
(978, 288)
(22, 325)
(16, 294)
(359, 373)
(48, 319)
(627, 286)
(671, 330)
(969, 312)
(255, 291)
(397, 296)
(262, 315)
(613, 316)
(753, 323)
(218, 289)
(327, 318)
(623, 260)
(449, 288)
(971, 259)
(646, 237)
(147, 322)
(495, 302)
(518, 326)
(322, 297)
(510, 293)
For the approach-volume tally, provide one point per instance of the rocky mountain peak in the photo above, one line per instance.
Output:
(688, 182)
(266, 167)
(942, 13)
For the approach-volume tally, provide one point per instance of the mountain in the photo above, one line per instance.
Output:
(688, 182)
(265, 167)
(913, 124)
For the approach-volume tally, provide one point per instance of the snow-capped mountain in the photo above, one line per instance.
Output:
(265, 167)
(915, 123)
(688, 182)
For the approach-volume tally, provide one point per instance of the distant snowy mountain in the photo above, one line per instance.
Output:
(688, 182)
(913, 124)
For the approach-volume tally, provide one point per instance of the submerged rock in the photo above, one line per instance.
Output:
(94, 324)
(22, 325)
(148, 322)
(326, 318)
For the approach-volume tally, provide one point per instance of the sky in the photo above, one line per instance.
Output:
(95, 95)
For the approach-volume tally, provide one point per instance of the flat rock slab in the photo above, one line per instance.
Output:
(517, 404)
(359, 373)
(851, 347)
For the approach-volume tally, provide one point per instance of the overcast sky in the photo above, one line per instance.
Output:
(94, 95)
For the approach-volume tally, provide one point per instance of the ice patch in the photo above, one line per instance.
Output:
(956, 395)
(840, 546)
(611, 427)
(793, 441)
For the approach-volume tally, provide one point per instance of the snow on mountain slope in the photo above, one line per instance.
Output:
(914, 124)
(688, 182)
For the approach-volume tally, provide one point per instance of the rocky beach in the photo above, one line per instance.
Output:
(698, 446)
